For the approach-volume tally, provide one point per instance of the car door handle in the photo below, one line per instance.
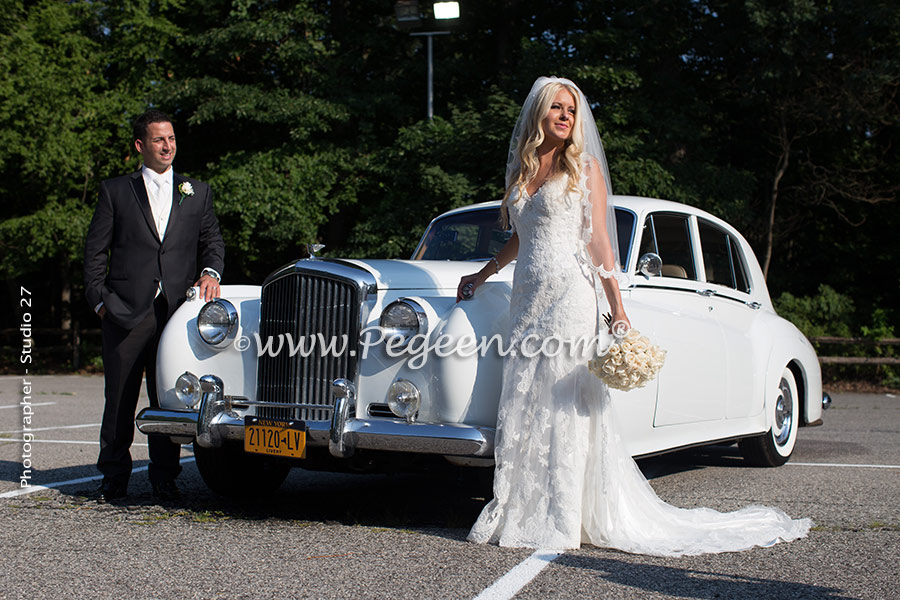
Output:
(706, 293)
(754, 305)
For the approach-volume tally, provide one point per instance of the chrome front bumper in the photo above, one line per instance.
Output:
(221, 419)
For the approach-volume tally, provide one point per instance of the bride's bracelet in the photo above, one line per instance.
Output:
(496, 264)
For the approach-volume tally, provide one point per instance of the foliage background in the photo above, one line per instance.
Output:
(307, 117)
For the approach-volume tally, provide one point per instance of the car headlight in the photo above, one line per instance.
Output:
(187, 389)
(217, 323)
(404, 399)
(403, 319)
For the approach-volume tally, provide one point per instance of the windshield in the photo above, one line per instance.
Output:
(469, 235)
(477, 235)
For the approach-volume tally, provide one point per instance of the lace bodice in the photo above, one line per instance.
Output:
(553, 293)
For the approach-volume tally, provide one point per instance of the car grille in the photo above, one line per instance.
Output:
(308, 307)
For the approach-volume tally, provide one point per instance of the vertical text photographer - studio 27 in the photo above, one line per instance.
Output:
(26, 358)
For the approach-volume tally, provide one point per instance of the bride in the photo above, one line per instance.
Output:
(563, 476)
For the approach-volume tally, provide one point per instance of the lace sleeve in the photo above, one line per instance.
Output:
(587, 232)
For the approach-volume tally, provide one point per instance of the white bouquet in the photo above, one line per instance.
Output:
(630, 362)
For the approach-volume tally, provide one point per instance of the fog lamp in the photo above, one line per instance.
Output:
(187, 389)
(404, 399)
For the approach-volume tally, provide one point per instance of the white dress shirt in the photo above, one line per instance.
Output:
(159, 191)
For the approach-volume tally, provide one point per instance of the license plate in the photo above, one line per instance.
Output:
(275, 437)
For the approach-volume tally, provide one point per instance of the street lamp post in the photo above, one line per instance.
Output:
(429, 35)
(408, 16)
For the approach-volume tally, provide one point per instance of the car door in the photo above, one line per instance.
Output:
(673, 310)
(729, 292)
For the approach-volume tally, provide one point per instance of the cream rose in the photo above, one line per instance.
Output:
(629, 363)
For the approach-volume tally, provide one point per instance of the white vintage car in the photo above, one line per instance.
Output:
(344, 364)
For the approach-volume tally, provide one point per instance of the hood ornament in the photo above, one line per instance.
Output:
(312, 249)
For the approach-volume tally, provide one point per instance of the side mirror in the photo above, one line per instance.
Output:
(649, 265)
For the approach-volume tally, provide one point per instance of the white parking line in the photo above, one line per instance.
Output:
(20, 405)
(42, 441)
(800, 464)
(50, 428)
(47, 486)
(509, 585)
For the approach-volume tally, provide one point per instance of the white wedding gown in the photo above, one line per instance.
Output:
(563, 475)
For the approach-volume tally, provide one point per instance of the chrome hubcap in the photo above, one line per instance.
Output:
(784, 414)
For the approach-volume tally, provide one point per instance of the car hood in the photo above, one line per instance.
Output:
(422, 274)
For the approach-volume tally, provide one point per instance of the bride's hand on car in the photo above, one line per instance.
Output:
(467, 286)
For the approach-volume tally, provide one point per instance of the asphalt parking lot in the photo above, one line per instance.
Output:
(403, 535)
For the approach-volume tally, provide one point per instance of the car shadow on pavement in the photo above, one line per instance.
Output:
(693, 583)
(448, 501)
(12, 471)
(442, 502)
(691, 459)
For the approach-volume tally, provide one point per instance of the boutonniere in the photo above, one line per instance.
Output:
(185, 189)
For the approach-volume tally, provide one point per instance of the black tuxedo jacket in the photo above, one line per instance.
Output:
(124, 259)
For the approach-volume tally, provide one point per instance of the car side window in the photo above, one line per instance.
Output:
(668, 235)
(722, 258)
(742, 280)
(624, 230)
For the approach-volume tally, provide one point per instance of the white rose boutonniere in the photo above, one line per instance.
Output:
(185, 189)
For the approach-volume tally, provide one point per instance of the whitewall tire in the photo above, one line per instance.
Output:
(775, 447)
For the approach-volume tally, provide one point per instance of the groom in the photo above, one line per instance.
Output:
(150, 233)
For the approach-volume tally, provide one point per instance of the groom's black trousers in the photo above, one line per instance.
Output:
(127, 354)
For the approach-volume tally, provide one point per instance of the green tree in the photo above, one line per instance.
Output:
(63, 105)
(779, 116)
(256, 121)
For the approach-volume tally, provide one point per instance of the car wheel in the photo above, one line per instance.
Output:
(775, 447)
(232, 472)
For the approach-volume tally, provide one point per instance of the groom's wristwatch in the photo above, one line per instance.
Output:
(212, 273)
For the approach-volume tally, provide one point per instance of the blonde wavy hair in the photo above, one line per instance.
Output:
(568, 161)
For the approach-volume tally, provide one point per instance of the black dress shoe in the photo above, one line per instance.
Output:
(113, 490)
(166, 490)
